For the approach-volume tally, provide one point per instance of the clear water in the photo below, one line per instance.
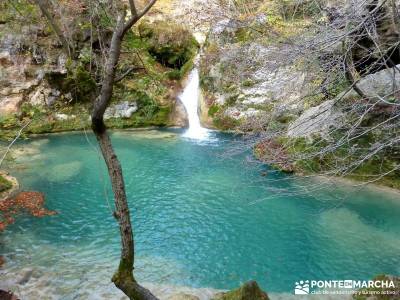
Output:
(202, 217)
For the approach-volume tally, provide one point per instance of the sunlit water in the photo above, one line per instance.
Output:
(190, 99)
(203, 218)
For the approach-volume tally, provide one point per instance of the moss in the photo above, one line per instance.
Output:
(159, 118)
(248, 83)
(224, 122)
(243, 35)
(14, 10)
(213, 110)
(4, 184)
(248, 291)
(171, 44)
(8, 121)
(296, 148)
(40, 126)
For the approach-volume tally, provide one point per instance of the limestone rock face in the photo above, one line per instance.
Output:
(23, 70)
(382, 85)
(248, 291)
(315, 120)
(249, 79)
(178, 116)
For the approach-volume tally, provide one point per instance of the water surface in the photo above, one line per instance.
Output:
(202, 217)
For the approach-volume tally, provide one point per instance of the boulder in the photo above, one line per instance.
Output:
(248, 291)
(10, 104)
(123, 109)
(315, 120)
(178, 115)
(63, 117)
(384, 83)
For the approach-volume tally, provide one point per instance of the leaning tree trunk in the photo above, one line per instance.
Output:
(43, 5)
(123, 278)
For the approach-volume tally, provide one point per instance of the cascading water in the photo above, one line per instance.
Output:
(190, 99)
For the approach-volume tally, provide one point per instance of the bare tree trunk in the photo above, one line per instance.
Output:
(123, 278)
(349, 68)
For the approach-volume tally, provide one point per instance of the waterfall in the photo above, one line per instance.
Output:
(190, 99)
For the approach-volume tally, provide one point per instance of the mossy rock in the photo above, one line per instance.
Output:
(224, 122)
(78, 81)
(169, 43)
(4, 184)
(248, 291)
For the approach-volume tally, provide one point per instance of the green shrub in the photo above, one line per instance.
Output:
(78, 81)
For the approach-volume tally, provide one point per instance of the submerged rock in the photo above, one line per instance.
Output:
(248, 291)
(63, 172)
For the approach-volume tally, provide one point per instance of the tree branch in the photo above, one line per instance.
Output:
(133, 8)
(68, 49)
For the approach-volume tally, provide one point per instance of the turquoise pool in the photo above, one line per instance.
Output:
(203, 217)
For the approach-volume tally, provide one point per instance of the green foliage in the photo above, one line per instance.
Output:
(8, 121)
(4, 184)
(297, 9)
(248, 83)
(213, 110)
(243, 35)
(38, 126)
(30, 111)
(80, 83)
(171, 44)
(18, 9)
(85, 55)
(133, 41)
